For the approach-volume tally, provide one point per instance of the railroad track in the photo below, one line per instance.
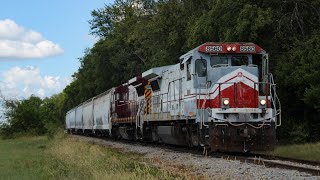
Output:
(311, 167)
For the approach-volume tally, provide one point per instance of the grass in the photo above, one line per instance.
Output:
(22, 158)
(67, 158)
(301, 151)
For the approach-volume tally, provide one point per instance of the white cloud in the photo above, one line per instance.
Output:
(22, 82)
(19, 43)
(41, 92)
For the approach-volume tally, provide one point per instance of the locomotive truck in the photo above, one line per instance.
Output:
(221, 96)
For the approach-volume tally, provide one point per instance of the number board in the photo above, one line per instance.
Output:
(213, 48)
(247, 49)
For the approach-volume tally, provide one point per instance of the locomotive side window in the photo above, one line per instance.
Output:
(257, 60)
(239, 60)
(188, 70)
(201, 67)
(218, 61)
(121, 97)
(155, 85)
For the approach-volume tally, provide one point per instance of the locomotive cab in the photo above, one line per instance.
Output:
(120, 102)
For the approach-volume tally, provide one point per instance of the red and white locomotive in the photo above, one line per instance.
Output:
(220, 96)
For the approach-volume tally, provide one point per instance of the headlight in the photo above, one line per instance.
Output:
(226, 102)
(263, 102)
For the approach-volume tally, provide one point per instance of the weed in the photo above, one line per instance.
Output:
(302, 151)
(60, 157)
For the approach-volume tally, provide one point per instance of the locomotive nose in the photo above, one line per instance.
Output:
(241, 138)
(245, 132)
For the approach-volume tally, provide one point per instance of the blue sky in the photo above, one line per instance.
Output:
(40, 43)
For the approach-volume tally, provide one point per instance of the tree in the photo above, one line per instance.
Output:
(24, 116)
(33, 116)
(135, 35)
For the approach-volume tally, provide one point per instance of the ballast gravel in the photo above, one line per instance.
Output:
(200, 166)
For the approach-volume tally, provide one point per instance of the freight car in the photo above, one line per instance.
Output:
(220, 96)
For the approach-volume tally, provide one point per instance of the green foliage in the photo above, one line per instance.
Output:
(298, 78)
(33, 116)
(24, 116)
(52, 113)
(137, 35)
(297, 132)
(301, 151)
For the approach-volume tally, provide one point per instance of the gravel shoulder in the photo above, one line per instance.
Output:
(198, 166)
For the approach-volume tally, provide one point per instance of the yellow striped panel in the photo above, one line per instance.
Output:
(147, 97)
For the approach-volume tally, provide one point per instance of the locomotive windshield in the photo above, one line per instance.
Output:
(239, 60)
(231, 60)
(218, 60)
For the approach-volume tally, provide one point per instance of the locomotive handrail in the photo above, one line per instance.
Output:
(202, 110)
(219, 86)
(267, 84)
(204, 103)
(174, 94)
(138, 114)
(237, 125)
(275, 98)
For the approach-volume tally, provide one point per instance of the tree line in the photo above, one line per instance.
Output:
(135, 35)
(32, 116)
